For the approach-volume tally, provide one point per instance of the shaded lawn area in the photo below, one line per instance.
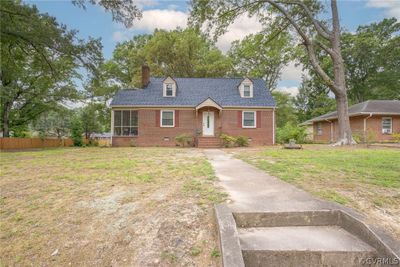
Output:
(365, 179)
(107, 206)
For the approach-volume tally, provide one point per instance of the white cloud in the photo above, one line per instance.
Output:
(161, 19)
(239, 29)
(391, 7)
(152, 19)
(292, 72)
(292, 90)
(170, 19)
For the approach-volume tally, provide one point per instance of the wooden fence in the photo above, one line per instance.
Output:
(28, 143)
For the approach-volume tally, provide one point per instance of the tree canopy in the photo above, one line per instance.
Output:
(261, 55)
(372, 59)
(40, 60)
(179, 53)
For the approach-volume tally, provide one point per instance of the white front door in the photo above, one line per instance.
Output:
(208, 123)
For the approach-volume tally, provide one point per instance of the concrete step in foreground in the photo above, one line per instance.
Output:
(301, 238)
(302, 246)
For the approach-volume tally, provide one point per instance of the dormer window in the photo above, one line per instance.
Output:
(169, 87)
(246, 88)
(169, 90)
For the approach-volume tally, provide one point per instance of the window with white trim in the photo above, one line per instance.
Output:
(249, 119)
(167, 118)
(169, 89)
(246, 90)
(387, 125)
(319, 128)
(125, 122)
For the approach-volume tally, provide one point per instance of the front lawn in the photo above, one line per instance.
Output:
(365, 179)
(107, 207)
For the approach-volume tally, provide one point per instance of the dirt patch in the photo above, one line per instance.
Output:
(85, 208)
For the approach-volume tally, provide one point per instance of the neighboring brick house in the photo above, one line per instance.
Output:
(373, 120)
(201, 107)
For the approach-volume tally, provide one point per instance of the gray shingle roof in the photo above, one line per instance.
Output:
(192, 91)
(390, 107)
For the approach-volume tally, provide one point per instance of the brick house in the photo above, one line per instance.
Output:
(374, 120)
(204, 108)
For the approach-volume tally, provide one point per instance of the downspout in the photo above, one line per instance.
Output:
(331, 129)
(112, 126)
(365, 126)
(273, 126)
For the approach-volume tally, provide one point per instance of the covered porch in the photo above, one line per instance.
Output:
(208, 124)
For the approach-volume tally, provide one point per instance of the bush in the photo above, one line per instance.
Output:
(358, 138)
(371, 138)
(290, 131)
(184, 139)
(396, 137)
(227, 140)
(242, 141)
(76, 133)
(21, 132)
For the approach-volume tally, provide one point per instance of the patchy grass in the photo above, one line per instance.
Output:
(107, 206)
(365, 179)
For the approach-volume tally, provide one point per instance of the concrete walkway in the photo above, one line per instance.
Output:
(252, 189)
(278, 223)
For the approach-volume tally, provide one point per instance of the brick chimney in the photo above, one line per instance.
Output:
(145, 75)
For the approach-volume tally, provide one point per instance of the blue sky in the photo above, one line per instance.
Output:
(95, 22)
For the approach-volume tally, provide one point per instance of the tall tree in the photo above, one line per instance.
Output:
(313, 100)
(124, 11)
(94, 118)
(261, 55)
(54, 122)
(285, 111)
(40, 60)
(180, 53)
(302, 17)
(372, 58)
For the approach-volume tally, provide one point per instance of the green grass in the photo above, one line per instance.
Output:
(362, 178)
(195, 251)
(379, 167)
(215, 253)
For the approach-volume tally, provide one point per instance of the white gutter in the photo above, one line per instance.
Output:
(112, 126)
(273, 126)
(356, 114)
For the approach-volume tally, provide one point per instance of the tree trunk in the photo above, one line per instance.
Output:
(340, 90)
(345, 136)
(6, 119)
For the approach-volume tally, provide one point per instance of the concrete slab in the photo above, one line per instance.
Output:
(252, 189)
(301, 238)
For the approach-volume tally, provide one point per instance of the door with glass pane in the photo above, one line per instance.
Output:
(208, 123)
